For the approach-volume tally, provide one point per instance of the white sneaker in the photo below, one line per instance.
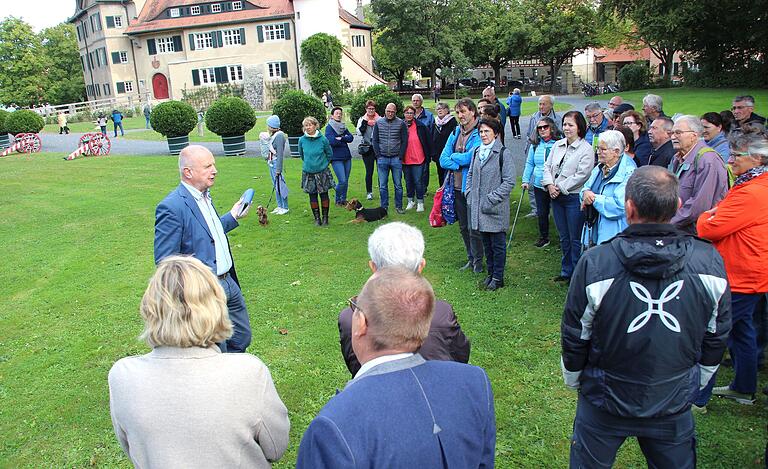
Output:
(283, 211)
(276, 210)
(369, 196)
(420, 207)
(411, 204)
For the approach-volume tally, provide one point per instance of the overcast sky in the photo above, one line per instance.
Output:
(42, 14)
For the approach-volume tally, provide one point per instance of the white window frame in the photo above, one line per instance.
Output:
(123, 57)
(107, 90)
(274, 70)
(195, 10)
(237, 5)
(207, 76)
(164, 45)
(215, 7)
(203, 41)
(118, 21)
(175, 12)
(235, 73)
(274, 32)
(232, 37)
(128, 86)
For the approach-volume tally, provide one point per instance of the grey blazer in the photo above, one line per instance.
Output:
(196, 407)
(488, 187)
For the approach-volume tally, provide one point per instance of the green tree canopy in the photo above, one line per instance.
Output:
(64, 73)
(23, 64)
(321, 59)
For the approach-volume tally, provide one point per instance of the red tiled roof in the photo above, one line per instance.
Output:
(352, 20)
(622, 54)
(149, 19)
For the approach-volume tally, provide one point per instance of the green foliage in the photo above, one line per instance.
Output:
(321, 59)
(24, 121)
(634, 76)
(381, 95)
(462, 93)
(275, 89)
(173, 119)
(63, 73)
(3, 116)
(21, 75)
(294, 106)
(230, 117)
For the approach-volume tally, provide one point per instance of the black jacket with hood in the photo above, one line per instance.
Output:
(646, 321)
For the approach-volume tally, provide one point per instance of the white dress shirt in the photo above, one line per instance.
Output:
(203, 199)
(379, 360)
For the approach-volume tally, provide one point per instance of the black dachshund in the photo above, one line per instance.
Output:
(365, 214)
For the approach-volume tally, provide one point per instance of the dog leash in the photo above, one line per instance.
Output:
(512, 232)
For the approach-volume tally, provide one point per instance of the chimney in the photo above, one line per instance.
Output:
(359, 10)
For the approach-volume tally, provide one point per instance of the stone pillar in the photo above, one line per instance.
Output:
(568, 86)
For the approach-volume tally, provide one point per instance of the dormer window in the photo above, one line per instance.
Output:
(175, 13)
(237, 5)
(195, 10)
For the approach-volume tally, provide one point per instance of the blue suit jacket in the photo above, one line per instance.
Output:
(180, 228)
(406, 413)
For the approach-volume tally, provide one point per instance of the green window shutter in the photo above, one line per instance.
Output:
(191, 42)
(287, 27)
(221, 75)
(215, 39)
(120, 87)
(220, 37)
(196, 77)
(115, 57)
(207, 8)
(110, 21)
(177, 45)
(242, 36)
(260, 33)
(284, 69)
(151, 48)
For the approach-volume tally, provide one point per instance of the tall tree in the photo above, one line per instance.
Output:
(63, 70)
(23, 65)
(321, 59)
(501, 34)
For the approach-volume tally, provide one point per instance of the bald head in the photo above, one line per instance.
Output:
(615, 101)
(197, 167)
(390, 111)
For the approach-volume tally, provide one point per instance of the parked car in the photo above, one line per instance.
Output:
(488, 82)
(468, 83)
(515, 84)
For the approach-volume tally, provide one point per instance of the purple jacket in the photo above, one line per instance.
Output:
(703, 183)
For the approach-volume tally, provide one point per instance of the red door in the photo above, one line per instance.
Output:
(160, 86)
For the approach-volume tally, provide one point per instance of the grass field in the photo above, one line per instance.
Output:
(90, 126)
(78, 252)
(695, 101)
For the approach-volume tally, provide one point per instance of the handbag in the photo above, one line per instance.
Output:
(363, 149)
(449, 199)
(436, 214)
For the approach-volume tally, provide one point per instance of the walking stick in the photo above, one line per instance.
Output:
(512, 232)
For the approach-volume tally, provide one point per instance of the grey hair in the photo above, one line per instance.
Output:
(653, 191)
(608, 114)
(667, 123)
(516, 91)
(746, 99)
(442, 105)
(593, 106)
(754, 139)
(613, 139)
(549, 97)
(396, 245)
(694, 123)
(417, 95)
(654, 101)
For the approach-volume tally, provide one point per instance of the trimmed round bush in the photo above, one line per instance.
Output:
(24, 121)
(173, 119)
(293, 107)
(230, 116)
(634, 76)
(379, 93)
(3, 116)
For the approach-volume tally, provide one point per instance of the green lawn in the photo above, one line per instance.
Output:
(695, 101)
(90, 126)
(78, 252)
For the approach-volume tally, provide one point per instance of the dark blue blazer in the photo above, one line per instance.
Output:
(406, 413)
(180, 228)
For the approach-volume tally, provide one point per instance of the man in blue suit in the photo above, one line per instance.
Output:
(400, 410)
(186, 222)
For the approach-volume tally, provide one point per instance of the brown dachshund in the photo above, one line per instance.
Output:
(261, 212)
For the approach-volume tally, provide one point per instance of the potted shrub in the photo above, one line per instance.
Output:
(292, 108)
(381, 95)
(4, 140)
(174, 120)
(230, 118)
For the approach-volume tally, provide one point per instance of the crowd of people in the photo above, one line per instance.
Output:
(651, 306)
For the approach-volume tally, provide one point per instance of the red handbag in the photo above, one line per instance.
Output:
(436, 215)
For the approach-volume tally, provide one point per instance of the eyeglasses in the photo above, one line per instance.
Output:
(485, 131)
(630, 123)
(409, 112)
(352, 301)
(542, 127)
(603, 150)
(735, 108)
(681, 132)
(739, 154)
(370, 109)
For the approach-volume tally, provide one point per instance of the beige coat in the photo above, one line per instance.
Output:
(195, 407)
(569, 166)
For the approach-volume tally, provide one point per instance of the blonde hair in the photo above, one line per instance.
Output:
(398, 304)
(310, 120)
(184, 306)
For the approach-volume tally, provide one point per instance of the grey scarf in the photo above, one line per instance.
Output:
(339, 127)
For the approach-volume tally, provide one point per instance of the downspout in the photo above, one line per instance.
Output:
(296, 51)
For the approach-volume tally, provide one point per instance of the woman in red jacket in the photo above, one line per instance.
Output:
(738, 227)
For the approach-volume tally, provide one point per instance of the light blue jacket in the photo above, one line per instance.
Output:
(720, 145)
(534, 164)
(455, 161)
(609, 203)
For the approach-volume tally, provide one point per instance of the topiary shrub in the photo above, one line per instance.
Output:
(230, 116)
(24, 121)
(293, 107)
(173, 119)
(379, 93)
(321, 59)
(635, 76)
(3, 116)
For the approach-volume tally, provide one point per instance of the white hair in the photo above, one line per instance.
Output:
(653, 100)
(417, 95)
(549, 97)
(694, 123)
(396, 244)
(592, 107)
(613, 140)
